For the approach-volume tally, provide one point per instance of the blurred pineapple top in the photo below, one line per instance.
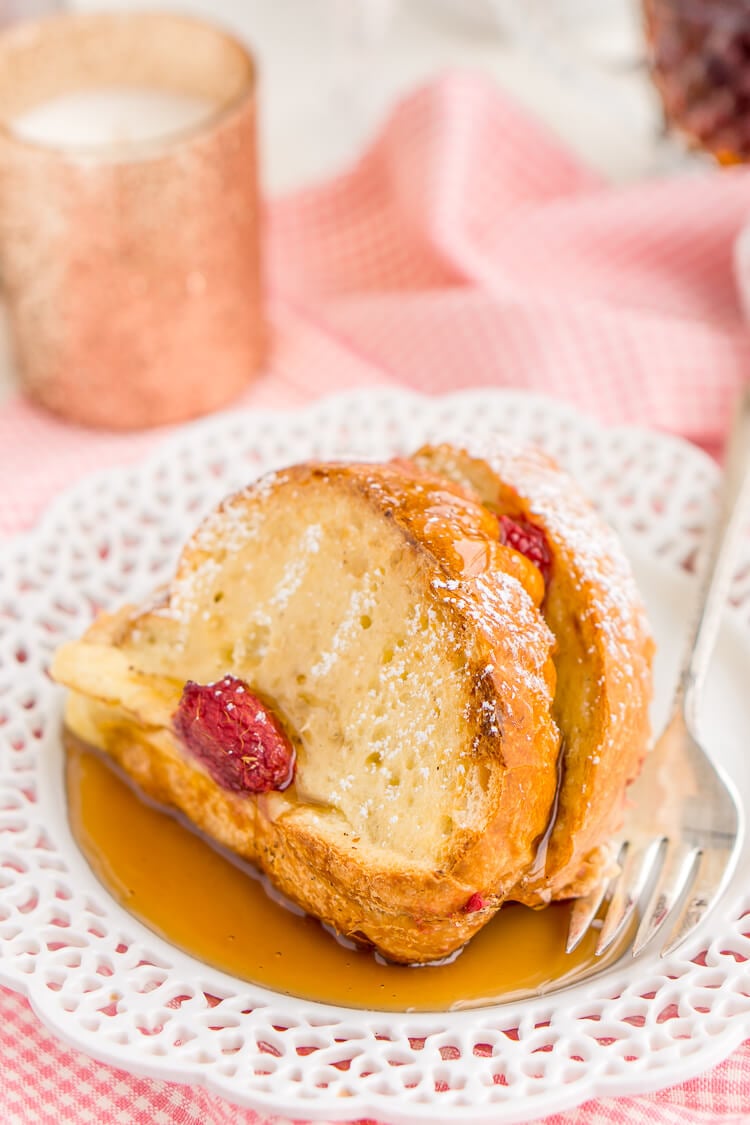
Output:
(700, 58)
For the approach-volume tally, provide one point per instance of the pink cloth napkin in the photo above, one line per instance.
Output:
(466, 248)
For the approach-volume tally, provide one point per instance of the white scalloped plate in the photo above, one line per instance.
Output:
(111, 987)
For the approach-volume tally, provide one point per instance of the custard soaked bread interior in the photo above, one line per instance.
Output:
(373, 625)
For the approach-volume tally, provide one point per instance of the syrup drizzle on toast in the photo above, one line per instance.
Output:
(217, 908)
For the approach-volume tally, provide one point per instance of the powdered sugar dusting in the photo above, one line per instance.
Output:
(225, 531)
(604, 638)
(498, 605)
(593, 554)
(594, 559)
(361, 602)
(294, 571)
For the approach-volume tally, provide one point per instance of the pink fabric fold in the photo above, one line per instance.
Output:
(492, 258)
(465, 248)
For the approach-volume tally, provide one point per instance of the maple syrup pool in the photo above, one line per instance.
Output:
(215, 907)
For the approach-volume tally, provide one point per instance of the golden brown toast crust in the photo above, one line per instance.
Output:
(478, 595)
(476, 630)
(603, 656)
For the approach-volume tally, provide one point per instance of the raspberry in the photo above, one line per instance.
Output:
(476, 902)
(236, 737)
(530, 540)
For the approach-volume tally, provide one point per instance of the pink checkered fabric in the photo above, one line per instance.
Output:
(466, 248)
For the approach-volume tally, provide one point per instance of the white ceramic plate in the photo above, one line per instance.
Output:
(109, 986)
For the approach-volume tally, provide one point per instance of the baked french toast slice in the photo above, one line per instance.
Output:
(603, 655)
(374, 613)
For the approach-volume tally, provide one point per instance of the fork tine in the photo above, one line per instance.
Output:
(583, 913)
(636, 872)
(676, 874)
(706, 885)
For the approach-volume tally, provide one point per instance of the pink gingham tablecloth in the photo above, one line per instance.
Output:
(466, 248)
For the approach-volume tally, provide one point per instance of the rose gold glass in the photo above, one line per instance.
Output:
(131, 269)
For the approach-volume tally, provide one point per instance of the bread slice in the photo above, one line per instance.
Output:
(603, 656)
(402, 646)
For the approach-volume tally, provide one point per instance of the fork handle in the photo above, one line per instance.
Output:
(719, 569)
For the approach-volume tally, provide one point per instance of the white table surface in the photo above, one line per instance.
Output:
(322, 96)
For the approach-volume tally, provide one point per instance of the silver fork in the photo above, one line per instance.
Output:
(684, 825)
